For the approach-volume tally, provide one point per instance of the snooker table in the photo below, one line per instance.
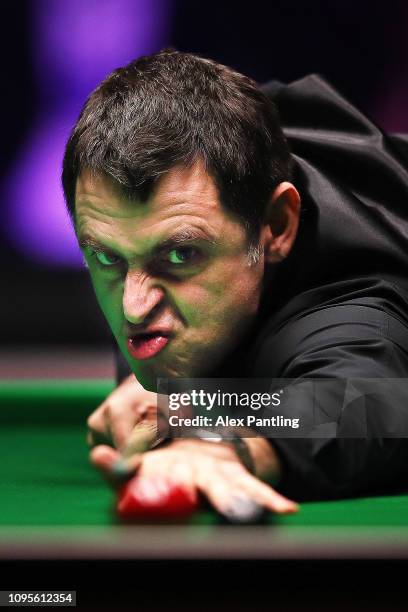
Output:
(56, 513)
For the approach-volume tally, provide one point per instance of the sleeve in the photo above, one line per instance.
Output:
(366, 452)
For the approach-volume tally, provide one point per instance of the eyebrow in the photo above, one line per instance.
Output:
(185, 235)
(88, 241)
(179, 237)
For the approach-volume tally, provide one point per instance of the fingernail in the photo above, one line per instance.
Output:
(243, 510)
(293, 507)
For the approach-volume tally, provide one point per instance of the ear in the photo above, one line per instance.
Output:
(281, 222)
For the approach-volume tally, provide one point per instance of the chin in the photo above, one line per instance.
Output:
(176, 366)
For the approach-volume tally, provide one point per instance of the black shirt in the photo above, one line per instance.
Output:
(338, 305)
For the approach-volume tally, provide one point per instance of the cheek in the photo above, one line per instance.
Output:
(109, 296)
(220, 297)
(192, 301)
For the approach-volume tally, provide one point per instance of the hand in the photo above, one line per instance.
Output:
(113, 421)
(201, 467)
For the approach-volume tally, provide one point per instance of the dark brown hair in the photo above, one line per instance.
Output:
(174, 108)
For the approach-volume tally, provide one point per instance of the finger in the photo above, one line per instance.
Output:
(236, 494)
(221, 495)
(103, 457)
(124, 468)
(235, 505)
(146, 410)
(257, 489)
(120, 420)
(99, 430)
(96, 420)
(241, 508)
(267, 496)
(122, 426)
(114, 468)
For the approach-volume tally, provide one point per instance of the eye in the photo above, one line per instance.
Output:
(106, 259)
(183, 255)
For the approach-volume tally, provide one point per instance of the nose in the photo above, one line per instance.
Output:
(140, 297)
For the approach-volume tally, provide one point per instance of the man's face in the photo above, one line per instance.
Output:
(171, 275)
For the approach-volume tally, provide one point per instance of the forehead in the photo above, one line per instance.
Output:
(181, 192)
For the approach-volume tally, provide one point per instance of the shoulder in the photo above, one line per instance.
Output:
(356, 336)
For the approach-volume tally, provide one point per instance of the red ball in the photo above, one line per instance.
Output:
(155, 498)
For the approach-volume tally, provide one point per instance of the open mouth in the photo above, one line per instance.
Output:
(144, 346)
